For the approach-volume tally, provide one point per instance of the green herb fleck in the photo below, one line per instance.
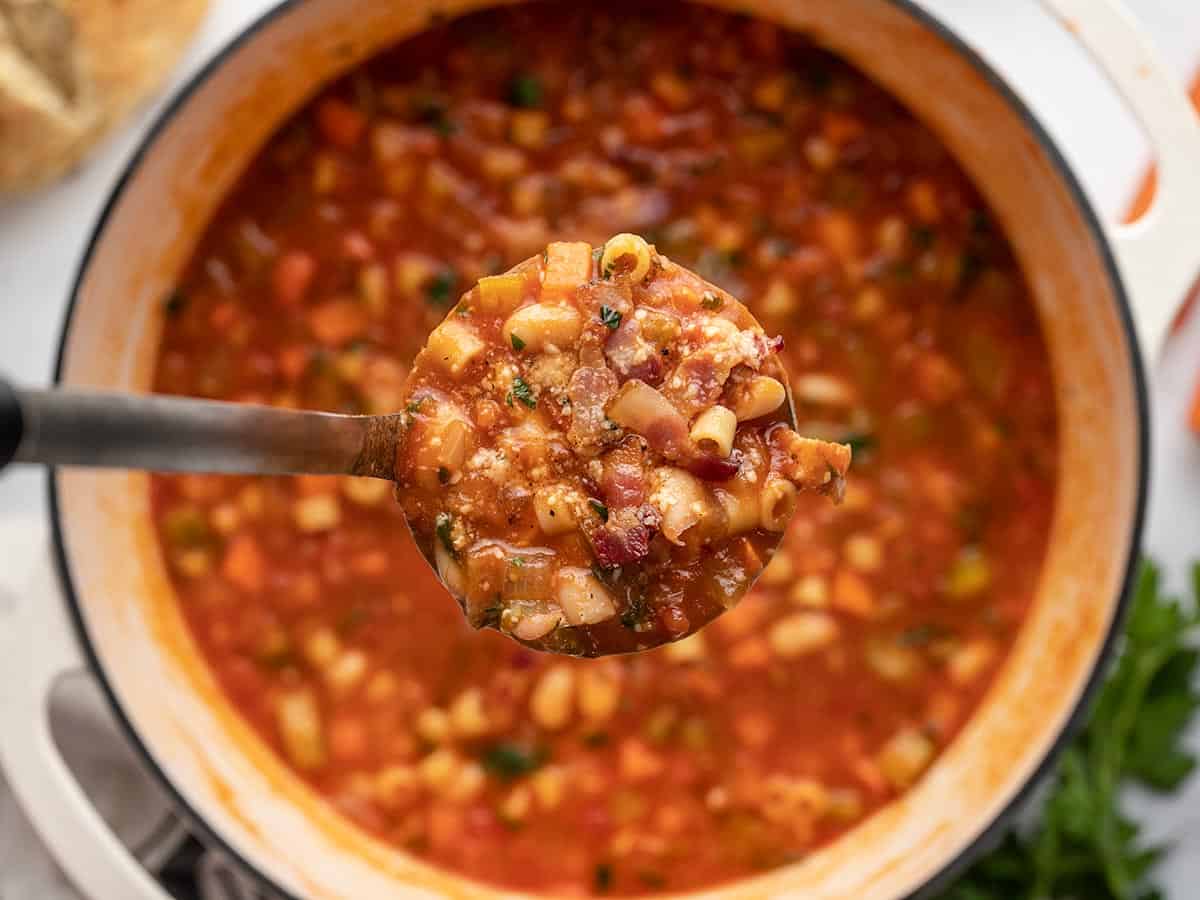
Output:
(1086, 845)
(519, 562)
(600, 508)
(175, 302)
(971, 266)
(609, 317)
(517, 343)
(635, 612)
(602, 877)
(443, 475)
(523, 392)
(711, 300)
(921, 635)
(525, 92)
(440, 287)
(442, 527)
(861, 442)
(432, 110)
(414, 405)
(509, 761)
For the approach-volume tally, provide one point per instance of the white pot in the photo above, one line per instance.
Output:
(119, 618)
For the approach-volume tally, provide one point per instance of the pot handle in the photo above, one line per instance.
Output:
(37, 647)
(1159, 254)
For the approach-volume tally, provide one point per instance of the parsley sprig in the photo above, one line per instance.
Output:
(1085, 845)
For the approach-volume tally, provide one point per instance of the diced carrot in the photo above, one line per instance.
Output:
(292, 277)
(347, 739)
(1194, 412)
(293, 361)
(223, 315)
(243, 565)
(356, 246)
(852, 594)
(840, 128)
(340, 123)
(568, 265)
(938, 379)
(337, 322)
(372, 563)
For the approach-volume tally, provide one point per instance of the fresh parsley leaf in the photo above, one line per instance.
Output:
(635, 612)
(860, 442)
(519, 562)
(517, 343)
(432, 110)
(440, 287)
(442, 526)
(600, 508)
(523, 392)
(609, 318)
(525, 92)
(509, 761)
(1085, 846)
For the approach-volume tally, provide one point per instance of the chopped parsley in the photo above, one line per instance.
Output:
(440, 287)
(414, 405)
(443, 475)
(442, 528)
(711, 300)
(517, 343)
(634, 613)
(509, 761)
(609, 317)
(432, 110)
(523, 392)
(519, 562)
(600, 508)
(525, 91)
(1086, 844)
(860, 442)
(920, 635)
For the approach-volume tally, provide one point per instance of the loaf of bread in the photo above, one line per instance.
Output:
(72, 69)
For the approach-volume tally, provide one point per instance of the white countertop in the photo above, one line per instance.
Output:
(42, 238)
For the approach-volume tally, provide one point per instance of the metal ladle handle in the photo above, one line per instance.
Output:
(175, 434)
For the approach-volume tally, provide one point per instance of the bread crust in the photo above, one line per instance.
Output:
(72, 69)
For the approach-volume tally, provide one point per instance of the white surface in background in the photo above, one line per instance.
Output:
(43, 237)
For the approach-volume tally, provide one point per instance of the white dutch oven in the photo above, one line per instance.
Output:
(118, 617)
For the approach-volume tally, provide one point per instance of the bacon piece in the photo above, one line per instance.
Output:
(700, 377)
(625, 538)
(645, 411)
(630, 355)
(623, 481)
(810, 464)
(589, 390)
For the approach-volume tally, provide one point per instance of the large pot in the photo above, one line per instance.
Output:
(119, 618)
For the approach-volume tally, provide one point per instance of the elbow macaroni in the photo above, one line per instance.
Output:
(714, 430)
